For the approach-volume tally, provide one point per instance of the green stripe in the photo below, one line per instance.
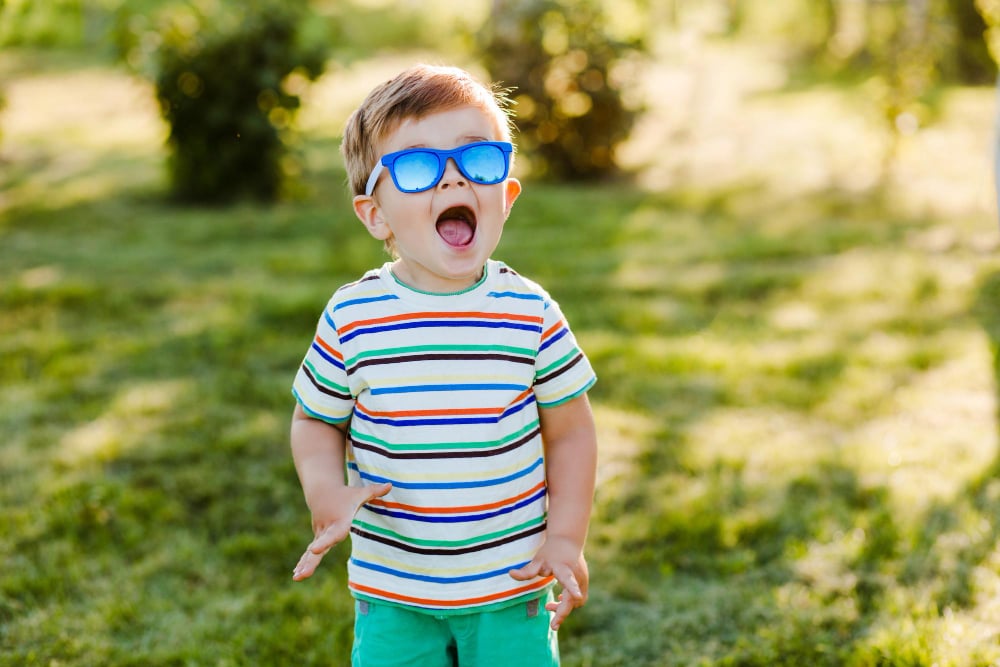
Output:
(449, 543)
(323, 380)
(567, 399)
(410, 447)
(396, 351)
(545, 371)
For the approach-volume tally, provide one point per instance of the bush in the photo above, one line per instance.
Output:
(970, 60)
(569, 82)
(226, 99)
(44, 23)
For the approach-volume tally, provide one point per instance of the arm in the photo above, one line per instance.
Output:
(570, 467)
(318, 452)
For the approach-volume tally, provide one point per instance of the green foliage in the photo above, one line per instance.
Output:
(990, 11)
(988, 310)
(904, 48)
(228, 93)
(855, 36)
(970, 60)
(41, 23)
(570, 78)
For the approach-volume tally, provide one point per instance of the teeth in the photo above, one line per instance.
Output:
(458, 213)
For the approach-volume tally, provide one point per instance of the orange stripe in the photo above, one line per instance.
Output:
(456, 510)
(555, 327)
(437, 316)
(326, 346)
(444, 411)
(431, 413)
(468, 602)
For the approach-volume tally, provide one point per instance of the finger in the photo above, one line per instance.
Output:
(525, 573)
(329, 538)
(567, 579)
(561, 609)
(530, 571)
(307, 565)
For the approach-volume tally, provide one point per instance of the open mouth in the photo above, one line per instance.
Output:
(457, 226)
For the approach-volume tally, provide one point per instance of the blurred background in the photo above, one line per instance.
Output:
(772, 225)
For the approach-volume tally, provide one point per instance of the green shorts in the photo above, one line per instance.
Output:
(389, 635)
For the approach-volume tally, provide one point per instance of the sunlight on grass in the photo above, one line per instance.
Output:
(623, 436)
(957, 185)
(134, 415)
(40, 277)
(767, 445)
(830, 140)
(76, 136)
(937, 432)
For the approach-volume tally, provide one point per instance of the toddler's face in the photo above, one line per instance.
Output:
(443, 236)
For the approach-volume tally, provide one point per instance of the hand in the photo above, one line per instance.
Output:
(563, 559)
(332, 523)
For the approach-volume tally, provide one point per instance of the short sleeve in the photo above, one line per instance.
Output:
(562, 370)
(321, 385)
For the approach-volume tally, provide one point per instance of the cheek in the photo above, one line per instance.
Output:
(406, 210)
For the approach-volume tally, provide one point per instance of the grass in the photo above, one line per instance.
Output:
(797, 405)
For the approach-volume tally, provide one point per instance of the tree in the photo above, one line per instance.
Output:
(971, 59)
(224, 96)
(990, 11)
(568, 83)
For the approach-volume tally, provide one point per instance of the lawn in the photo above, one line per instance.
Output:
(797, 402)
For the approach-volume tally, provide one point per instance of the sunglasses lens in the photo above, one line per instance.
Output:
(484, 164)
(415, 171)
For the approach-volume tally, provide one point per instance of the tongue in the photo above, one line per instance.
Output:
(455, 232)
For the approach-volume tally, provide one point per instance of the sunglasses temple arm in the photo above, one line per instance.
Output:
(373, 179)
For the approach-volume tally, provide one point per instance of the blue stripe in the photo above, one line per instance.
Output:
(446, 387)
(552, 340)
(429, 421)
(443, 324)
(446, 485)
(515, 295)
(358, 302)
(329, 357)
(517, 408)
(454, 518)
(436, 580)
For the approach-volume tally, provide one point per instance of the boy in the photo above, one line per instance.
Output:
(453, 392)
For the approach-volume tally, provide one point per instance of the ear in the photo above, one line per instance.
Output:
(370, 215)
(511, 192)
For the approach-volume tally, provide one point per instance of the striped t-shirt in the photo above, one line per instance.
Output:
(442, 394)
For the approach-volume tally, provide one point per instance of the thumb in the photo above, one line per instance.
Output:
(378, 490)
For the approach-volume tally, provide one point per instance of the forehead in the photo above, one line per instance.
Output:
(445, 128)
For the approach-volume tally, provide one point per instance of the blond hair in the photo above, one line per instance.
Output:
(414, 93)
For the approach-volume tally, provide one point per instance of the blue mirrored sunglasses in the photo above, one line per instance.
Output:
(419, 169)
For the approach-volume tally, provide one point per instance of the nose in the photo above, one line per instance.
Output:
(451, 177)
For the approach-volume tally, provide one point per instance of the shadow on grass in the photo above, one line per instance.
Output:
(959, 537)
(962, 536)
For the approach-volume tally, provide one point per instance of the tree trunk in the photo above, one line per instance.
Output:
(996, 147)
